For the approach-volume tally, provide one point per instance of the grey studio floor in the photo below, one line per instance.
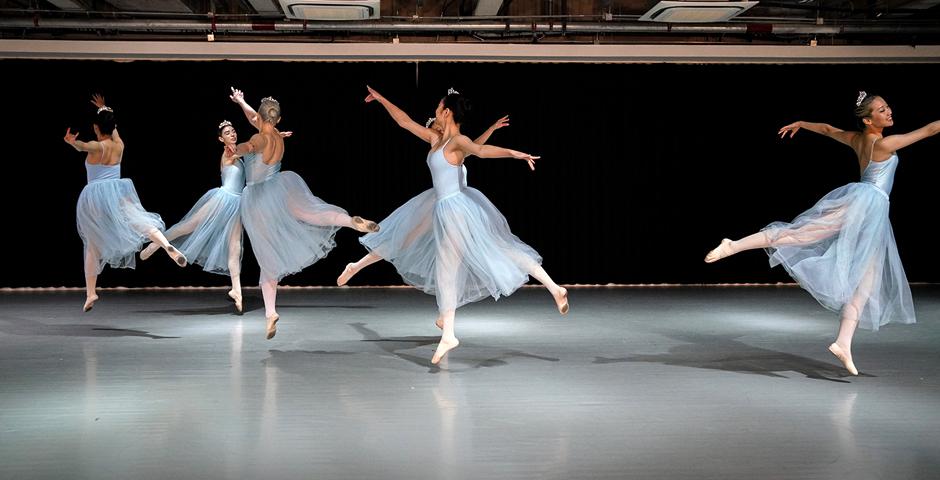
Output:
(693, 382)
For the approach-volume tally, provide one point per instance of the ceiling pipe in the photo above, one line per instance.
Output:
(198, 26)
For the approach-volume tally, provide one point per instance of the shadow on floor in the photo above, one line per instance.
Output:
(724, 352)
(249, 305)
(395, 345)
(21, 326)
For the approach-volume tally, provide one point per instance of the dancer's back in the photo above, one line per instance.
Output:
(271, 144)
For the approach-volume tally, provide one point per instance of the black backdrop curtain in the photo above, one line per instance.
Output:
(645, 167)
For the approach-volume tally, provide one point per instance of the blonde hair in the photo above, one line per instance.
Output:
(270, 110)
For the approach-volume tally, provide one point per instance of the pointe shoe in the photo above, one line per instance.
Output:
(272, 326)
(237, 297)
(721, 251)
(844, 358)
(176, 255)
(363, 225)
(89, 303)
(442, 348)
(563, 304)
(347, 274)
(150, 250)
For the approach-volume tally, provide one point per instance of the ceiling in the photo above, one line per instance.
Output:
(837, 22)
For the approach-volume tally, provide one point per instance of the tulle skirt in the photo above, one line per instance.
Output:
(289, 227)
(842, 251)
(215, 231)
(112, 222)
(458, 248)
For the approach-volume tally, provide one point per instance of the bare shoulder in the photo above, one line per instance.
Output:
(461, 141)
(862, 142)
(258, 139)
(875, 149)
(872, 142)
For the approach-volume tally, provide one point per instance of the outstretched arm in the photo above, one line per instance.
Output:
(492, 151)
(892, 143)
(238, 97)
(834, 133)
(502, 122)
(402, 118)
(255, 144)
(72, 139)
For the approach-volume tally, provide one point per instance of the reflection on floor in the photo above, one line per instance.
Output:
(721, 383)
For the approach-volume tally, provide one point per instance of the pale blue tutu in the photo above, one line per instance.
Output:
(112, 222)
(213, 228)
(289, 227)
(459, 248)
(218, 230)
(844, 246)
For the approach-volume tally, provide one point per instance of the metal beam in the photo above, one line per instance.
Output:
(516, 53)
(287, 27)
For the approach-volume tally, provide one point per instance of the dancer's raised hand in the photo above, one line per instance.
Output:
(237, 95)
(70, 137)
(97, 100)
(373, 95)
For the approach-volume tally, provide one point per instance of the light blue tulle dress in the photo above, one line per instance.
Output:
(843, 247)
(288, 226)
(213, 227)
(110, 218)
(452, 242)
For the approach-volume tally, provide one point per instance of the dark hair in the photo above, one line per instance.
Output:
(863, 109)
(105, 121)
(459, 105)
(222, 128)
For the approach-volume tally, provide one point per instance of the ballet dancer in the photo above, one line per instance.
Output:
(211, 233)
(842, 250)
(111, 221)
(451, 241)
(288, 226)
(370, 258)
